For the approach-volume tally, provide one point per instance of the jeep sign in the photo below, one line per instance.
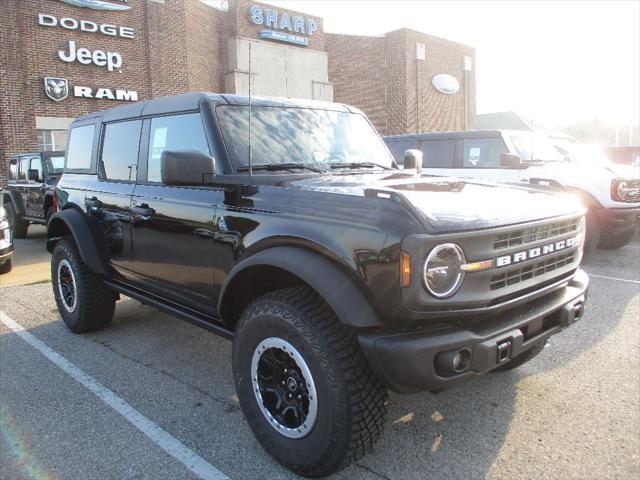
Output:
(100, 58)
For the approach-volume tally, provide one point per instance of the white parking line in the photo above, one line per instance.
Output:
(196, 464)
(614, 278)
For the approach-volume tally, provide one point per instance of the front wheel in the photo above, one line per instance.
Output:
(618, 240)
(84, 301)
(303, 383)
(19, 226)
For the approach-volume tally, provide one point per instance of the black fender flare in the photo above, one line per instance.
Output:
(87, 234)
(327, 279)
(15, 200)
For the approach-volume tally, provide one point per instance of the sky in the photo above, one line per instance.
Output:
(557, 62)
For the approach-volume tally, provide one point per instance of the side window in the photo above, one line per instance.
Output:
(80, 147)
(175, 132)
(398, 147)
(13, 169)
(483, 152)
(22, 169)
(438, 153)
(36, 164)
(120, 148)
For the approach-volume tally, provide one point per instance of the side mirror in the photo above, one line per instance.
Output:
(510, 160)
(413, 160)
(186, 167)
(33, 174)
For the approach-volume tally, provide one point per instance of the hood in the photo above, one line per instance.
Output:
(450, 204)
(623, 171)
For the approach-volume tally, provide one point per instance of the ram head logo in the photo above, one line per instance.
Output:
(57, 89)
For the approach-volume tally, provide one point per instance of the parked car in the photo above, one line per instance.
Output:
(31, 180)
(6, 242)
(337, 275)
(610, 192)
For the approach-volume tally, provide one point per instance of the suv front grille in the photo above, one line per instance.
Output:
(530, 271)
(534, 234)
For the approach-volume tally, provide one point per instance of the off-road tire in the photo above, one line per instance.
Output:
(351, 399)
(6, 266)
(94, 301)
(592, 234)
(19, 226)
(48, 214)
(611, 242)
(522, 358)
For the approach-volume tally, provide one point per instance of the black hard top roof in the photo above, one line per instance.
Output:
(448, 135)
(192, 101)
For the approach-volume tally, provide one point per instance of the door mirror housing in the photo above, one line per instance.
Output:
(33, 174)
(413, 160)
(186, 167)
(511, 160)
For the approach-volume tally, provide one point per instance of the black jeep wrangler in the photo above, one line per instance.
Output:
(31, 180)
(287, 227)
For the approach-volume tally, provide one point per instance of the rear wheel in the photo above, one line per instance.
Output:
(303, 383)
(522, 358)
(611, 242)
(84, 301)
(19, 226)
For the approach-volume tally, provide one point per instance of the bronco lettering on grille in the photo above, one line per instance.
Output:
(518, 257)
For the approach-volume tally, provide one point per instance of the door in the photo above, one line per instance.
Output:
(34, 190)
(173, 227)
(110, 201)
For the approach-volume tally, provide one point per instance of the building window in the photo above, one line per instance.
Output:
(51, 140)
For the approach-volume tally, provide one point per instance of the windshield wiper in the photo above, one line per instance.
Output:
(272, 167)
(359, 165)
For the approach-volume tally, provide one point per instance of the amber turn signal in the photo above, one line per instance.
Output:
(405, 270)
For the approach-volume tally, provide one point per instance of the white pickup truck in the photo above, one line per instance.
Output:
(610, 191)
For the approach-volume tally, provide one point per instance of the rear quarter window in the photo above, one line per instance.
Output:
(80, 147)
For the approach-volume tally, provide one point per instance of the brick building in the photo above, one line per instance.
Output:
(64, 58)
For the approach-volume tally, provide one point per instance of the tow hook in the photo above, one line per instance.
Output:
(572, 312)
(503, 351)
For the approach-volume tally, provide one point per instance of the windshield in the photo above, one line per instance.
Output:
(532, 147)
(318, 139)
(584, 153)
(55, 164)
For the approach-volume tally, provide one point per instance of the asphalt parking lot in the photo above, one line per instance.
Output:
(573, 412)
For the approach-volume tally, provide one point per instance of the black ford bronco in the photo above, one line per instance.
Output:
(287, 227)
(28, 197)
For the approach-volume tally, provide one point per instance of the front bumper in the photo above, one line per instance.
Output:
(618, 220)
(407, 361)
(5, 254)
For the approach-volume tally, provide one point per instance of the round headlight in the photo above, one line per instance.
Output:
(622, 190)
(442, 270)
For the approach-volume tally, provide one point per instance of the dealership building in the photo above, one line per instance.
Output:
(64, 58)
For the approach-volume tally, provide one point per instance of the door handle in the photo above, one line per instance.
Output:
(93, 203)
(143, 210)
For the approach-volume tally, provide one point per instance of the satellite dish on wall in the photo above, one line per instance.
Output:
(446, 83)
